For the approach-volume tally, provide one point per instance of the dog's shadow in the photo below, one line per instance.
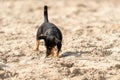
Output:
(72, 53)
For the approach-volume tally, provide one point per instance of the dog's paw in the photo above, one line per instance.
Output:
(36, 49)
(56, 55)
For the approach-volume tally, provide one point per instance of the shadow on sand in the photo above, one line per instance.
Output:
(71, 53)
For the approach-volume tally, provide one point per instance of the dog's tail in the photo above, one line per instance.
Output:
(46, 14)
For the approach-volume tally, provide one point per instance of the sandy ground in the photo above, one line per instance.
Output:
(91, 40)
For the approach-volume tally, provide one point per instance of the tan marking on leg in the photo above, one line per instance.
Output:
(37, 45)
(52, 52)
(56, 54)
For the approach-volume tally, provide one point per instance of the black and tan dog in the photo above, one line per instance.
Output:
(51, 35)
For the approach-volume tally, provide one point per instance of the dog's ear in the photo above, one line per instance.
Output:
(42, 37)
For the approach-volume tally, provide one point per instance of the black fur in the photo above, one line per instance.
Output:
(49, 33)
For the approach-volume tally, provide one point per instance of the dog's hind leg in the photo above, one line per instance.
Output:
(48, 52)
(37, 45)
(56, 55)
(52, 51)
(38, 38)
(56, 52)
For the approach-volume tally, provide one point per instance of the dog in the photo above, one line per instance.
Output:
(51, 35)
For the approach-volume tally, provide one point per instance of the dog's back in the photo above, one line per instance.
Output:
(49, 29)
